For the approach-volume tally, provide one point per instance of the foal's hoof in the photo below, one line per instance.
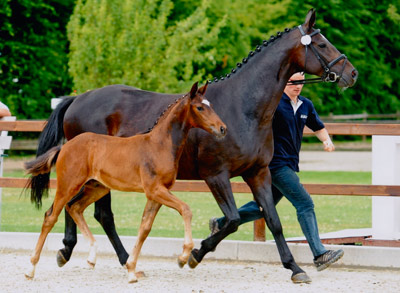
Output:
(91, 264)
(181, 263)
(61, 260)
(301, 278)
(192, 262)
(30, 274)
(132, 278)
(140, 274)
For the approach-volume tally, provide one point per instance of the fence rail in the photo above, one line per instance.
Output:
(240, 187)
(363, 116)
(333, 128)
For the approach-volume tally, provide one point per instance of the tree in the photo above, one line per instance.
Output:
(33, 55)
(162, 45)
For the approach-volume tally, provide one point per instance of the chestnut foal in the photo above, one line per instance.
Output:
(143, 163)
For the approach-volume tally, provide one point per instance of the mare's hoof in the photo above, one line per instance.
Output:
(29, 276)
(301, 278)
(61, 260)
(192, 262)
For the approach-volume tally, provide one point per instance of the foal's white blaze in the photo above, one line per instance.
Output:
(206, 102)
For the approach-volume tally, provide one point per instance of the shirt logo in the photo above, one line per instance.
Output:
(303, 116)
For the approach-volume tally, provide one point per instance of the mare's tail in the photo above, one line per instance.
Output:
(41, 165)
(51, 136)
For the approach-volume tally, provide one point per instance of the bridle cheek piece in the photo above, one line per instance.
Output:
(328, 76)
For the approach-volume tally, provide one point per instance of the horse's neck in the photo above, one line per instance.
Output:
(257, 86)
(173, 127)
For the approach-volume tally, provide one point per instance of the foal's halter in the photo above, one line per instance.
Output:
(328, 76)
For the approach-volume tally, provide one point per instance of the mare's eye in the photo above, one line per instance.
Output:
(322, 45)
(200, 108)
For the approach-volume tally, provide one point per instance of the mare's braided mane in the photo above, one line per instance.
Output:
(251, 54)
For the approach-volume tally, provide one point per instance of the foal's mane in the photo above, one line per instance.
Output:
(165, 112)
(258, 49)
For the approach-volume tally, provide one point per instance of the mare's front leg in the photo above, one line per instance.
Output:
(259, 182)
(220, 187)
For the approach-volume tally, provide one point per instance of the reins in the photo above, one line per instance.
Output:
(328, 76)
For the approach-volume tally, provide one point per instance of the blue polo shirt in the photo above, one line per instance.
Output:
(288, 131)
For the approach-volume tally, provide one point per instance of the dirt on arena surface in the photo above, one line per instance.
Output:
(164, 275)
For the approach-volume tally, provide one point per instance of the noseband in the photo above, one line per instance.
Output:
(328, 76)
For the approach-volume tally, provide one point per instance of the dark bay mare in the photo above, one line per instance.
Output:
(245, 99)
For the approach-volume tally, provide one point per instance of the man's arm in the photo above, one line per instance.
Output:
(323, 136)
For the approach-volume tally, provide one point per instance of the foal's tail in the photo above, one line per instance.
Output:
(51, 136)
(41, 165)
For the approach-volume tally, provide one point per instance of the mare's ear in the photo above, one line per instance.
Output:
(310, 20)
(203, 89)
(193, 91)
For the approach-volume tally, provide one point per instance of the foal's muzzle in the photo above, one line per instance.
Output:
(221, 132)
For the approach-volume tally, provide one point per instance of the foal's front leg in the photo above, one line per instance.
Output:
(165, 197)
(149, 213)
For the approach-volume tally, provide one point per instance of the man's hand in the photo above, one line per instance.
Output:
(328, 145)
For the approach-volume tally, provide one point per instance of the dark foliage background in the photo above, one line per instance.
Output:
(51, 48)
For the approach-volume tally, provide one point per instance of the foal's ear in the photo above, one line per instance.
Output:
(310, 20)
(203, 89)
(193, 91)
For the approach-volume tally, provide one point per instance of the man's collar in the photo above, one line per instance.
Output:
(286, 97)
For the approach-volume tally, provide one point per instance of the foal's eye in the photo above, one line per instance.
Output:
(200, 108)
(322, 45)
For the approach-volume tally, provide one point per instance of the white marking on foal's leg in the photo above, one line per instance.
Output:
(132, 277)
(91, 260)
(31, 273)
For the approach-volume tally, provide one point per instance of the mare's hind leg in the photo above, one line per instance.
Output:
(149, 213)
(50, 218)
(92, 192)
(70, 237)
(105, 217)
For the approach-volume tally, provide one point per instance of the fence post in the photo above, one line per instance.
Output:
(5, 143)
(385, 171)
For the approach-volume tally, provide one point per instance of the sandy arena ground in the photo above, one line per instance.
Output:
(164, 275)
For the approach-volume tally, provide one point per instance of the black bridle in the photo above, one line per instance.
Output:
(328, 76)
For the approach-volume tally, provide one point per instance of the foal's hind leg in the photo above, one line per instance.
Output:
(92, 192)
(50, 218)
(149, 213)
